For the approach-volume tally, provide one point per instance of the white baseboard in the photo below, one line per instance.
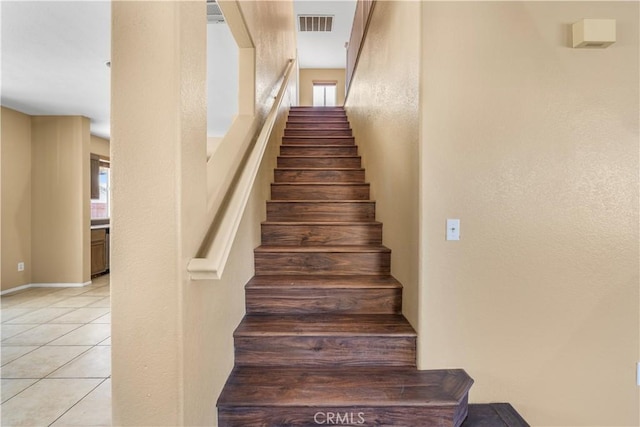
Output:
(45, 285)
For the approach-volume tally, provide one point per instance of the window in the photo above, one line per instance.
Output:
(101, 206)
(324, 94)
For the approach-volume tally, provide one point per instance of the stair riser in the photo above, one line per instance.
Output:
(397, 416)
(318, 125)
(319, 162)
(305, 301)
(316, 119)
(329, 211)
(301, 150)
(314, 235)
(316, 108)
(356, 175)
(315, 111)
(317, 132)
(320, 192)
(325, 351)
(365, 263)
(301, 140)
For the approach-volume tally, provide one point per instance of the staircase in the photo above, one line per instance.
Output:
(324, 341)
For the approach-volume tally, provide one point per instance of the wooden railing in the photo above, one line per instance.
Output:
(209, 263)
(364, 9)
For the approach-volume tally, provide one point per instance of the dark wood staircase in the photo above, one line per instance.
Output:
(324, 341)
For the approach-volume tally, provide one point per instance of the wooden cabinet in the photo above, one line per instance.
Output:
(99, 251)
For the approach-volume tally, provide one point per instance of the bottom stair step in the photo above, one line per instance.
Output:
(316, 340)
(259, 396)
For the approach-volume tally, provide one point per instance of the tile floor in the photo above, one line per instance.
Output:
(56, 356)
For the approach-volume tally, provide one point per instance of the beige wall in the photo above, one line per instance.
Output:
(60, 200)
(100, 146)
(383, 110)
(16, 198)
(218, 306)
(309, 75)
(169, 369)
(534, 146)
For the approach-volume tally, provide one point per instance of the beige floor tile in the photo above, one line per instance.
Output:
(12, 387)
(76, 302)
(41, 315)
(44, 402)
(103, 319)
(95, 363)
(100, 280)
(41, 362)
(40, 302)
(93, 410)
(13, 300)
(12, 313)
(70, 292)
(40, 335)
(90, 334)
(82, 315)
(11, 353)
(103, 302)
(98, 292)
(9, 331)
(106, 342)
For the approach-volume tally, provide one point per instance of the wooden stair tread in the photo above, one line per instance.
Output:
(316, 156)
(316, 201)
(337, 184)
(344, 387)
(323, 249)
(334, 223)
(318, 169)
(323, 282)
(313, 137)
(322, 324)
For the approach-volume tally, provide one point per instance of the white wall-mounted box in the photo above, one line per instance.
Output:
(594, 33)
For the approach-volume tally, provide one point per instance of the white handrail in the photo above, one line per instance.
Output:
(228, 220)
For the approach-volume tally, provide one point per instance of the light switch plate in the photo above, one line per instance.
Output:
(453, 229)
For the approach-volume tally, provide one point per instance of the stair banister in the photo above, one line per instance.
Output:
(209, 263)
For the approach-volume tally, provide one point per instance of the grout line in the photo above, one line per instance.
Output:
(79, 400)
(27, 298)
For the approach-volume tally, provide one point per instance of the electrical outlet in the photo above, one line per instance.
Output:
(638, 374)
(21, 266)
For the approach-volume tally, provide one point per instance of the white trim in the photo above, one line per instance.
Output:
(45, 285)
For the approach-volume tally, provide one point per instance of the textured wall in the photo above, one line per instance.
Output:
(60, 194)
(170, 367)
(307, 77)
(100, 146)
(16, 198)
(382, 105)
(158, 148)
(534, 146)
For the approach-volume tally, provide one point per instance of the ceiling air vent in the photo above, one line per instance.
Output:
(316, 23)
(214, 14)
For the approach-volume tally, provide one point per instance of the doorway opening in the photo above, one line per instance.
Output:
(324, 94)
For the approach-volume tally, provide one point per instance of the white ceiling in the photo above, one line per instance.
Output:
(53, 54)
(325, 49)
(53, 59)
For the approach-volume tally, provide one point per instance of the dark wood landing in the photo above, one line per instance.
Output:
(493, 415)
(258, 396)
